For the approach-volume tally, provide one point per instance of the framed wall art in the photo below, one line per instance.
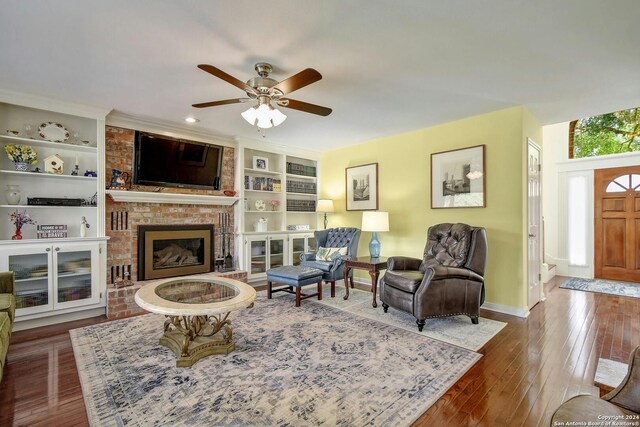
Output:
(458, 178)
(362, 187)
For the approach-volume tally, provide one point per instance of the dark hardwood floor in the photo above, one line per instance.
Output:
(526, 371)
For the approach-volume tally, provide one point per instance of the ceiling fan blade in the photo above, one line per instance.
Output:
(226, 77)
(223, 102)
(297, 81)
(305, 106)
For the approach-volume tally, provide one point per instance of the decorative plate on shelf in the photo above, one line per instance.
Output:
(54, 132)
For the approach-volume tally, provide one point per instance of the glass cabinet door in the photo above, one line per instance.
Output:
(33, 275)
(258, 256)
(297, 248)
(276, 252)
(74, 276)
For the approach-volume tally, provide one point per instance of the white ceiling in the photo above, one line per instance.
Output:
(388, 66)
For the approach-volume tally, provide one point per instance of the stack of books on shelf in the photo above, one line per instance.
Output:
(301, 187)
(294, 205)
(299, 169)
(262, 183)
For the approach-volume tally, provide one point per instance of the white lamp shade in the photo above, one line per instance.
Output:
(375, 221)
(325, 205)
(264, 116)
(277, 117)
(250, 115)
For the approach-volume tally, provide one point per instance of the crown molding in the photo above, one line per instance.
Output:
(265, 145)
(173, 129)
(51, 104)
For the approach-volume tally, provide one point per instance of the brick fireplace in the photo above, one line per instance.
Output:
(124, 219)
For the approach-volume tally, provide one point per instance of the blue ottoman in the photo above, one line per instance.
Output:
(294, 276)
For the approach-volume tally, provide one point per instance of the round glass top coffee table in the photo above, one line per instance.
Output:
(197, 311)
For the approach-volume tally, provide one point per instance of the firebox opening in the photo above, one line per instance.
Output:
(173, 250)
(171, 253)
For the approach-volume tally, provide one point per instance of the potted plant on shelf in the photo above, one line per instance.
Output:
(22, 156)
(20, 219)
(275, 204)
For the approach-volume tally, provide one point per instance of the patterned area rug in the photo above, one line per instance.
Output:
(456, 330)
(612, 287)
(314, 365)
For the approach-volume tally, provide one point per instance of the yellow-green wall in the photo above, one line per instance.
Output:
(405, 192)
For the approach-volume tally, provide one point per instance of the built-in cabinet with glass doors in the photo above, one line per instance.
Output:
(265, 252)
(279, 191)
(65, 274)
(53, 276)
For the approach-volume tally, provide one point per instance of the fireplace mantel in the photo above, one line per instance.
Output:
(174, 198)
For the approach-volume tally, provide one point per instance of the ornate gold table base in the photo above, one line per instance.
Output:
(193, 337)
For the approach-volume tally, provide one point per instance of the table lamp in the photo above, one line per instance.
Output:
(325, 206)
(375, 221)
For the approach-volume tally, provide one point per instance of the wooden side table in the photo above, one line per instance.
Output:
(372, 265)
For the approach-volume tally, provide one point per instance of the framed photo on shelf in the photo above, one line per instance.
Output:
(261, 163)
(458, 178)
(362, 187)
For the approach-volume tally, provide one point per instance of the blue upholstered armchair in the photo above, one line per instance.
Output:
(334, 238)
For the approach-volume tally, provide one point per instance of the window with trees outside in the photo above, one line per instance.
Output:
(609, 133)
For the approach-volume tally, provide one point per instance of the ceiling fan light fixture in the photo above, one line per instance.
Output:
(251, 115)
(264, 116)
(277, 117)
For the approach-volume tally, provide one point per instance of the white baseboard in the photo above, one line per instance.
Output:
(518, 312)
(547, 273)
(506, 309)
(21, 325)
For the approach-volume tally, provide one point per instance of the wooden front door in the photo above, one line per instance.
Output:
(617, 223)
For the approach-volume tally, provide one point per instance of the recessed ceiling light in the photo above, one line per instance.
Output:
(191, 120)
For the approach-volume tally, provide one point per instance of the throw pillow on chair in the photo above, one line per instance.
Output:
(330, 254)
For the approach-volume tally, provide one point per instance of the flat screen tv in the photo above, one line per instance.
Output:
(171, 162)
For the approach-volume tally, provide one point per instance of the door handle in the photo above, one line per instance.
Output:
(48, 249)
(532, 235)
(57, 249)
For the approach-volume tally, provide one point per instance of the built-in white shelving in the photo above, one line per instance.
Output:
(47, 207)
(47, 175)
(277, 245)
(79, 289)
(6, 139)
(296, 176)
(263, 191)
(261, 171)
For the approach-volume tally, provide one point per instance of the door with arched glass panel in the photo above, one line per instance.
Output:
(617, 223)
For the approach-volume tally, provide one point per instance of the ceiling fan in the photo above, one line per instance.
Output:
(266, 91)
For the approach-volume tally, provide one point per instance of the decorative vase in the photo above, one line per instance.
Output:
(18, 235)
(21, 166)
(13, 194)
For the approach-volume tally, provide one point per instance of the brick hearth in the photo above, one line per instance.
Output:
(121, 304)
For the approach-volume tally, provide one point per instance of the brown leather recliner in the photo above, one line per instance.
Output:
(449, 281)
(621, 405)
